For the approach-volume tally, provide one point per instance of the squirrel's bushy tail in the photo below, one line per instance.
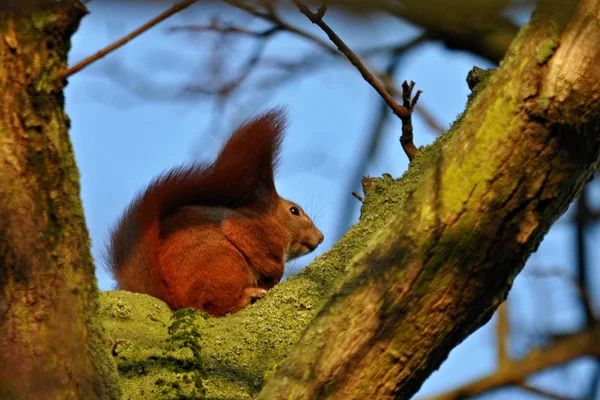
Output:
(241, 176)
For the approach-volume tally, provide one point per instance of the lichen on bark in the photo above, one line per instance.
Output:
(50, 344)
(238, 353)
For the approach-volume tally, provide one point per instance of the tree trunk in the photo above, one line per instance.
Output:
(480, 201)
(50, 346)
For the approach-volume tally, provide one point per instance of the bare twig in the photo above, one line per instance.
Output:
(358, 196)
(370, 149)
(386, 50)
(272, 17)
(408, 103)
(404, 111)
(502, 336)
(583, 293)
(227, 88)
(161, 17)
(549, 395)
(430, 120)
(583, 217)
(215, 27)
(389, 85)
(354, 60)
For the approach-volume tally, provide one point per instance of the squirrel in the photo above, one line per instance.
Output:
(213, 236)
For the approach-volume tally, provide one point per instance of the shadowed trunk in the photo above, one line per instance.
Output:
(50, 346)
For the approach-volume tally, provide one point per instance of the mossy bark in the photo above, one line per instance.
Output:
(50, 344)
(433, 256)
(482, 199)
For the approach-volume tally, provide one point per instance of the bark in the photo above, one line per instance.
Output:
(469, 25)
(50, 346)
(480, 28)
(480, 203)
(432, 257)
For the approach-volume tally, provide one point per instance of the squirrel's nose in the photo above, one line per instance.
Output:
(321, 237)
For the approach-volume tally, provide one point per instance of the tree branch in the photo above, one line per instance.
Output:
(540, 392)
(216, 27)
(461, 25)
(477, 205)
(569, 348)
(583, 216)
(275, 19)
(370, 149)
(159, 18)
(404, 111)
(502, 333)
(354, 60)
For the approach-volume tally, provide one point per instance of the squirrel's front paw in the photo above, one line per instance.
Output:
(255, 293)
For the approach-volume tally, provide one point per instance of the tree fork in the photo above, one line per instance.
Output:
(481, 201)
(50, 345)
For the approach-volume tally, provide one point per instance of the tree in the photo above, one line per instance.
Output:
(51, 344)
(444, 243)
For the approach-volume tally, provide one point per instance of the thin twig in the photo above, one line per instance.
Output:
(354, 60)
(321, 12)
(582, 218)
(408, 103)
(358, 196)
(404, 111)
(538, 391)
(370, 148)
(224, 29)
(161, 17)
(583, 293)
(272, 17)
(430, 120)
(226, 89)
(502, 336)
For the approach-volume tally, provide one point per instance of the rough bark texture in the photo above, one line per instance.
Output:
(432, 257)
(480, 204)
(50, 347)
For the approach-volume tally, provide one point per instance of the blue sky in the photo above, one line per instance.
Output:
(130, 122)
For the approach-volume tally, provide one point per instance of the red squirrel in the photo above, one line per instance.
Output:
(213, 236)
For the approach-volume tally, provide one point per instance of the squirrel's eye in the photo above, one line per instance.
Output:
(294, 210)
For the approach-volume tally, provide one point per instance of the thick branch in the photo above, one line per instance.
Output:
(480, 204)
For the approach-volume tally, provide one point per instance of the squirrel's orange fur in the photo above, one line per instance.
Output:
(213, 236)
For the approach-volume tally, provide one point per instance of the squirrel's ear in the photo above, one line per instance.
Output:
(250, 156)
